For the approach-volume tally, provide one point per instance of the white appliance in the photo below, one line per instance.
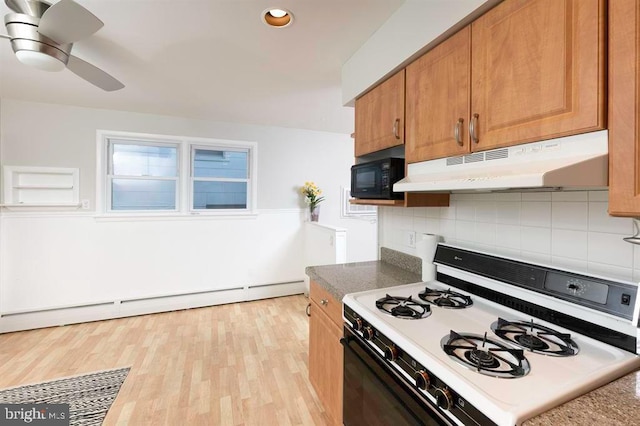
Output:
(454, 363)
(573, 162)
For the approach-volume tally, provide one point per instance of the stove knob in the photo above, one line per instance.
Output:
(422, 379)
(391, 353)
(357, 324)
(444, 398)
(367, 333)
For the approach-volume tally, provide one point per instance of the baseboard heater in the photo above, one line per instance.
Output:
(275, 284)
(167, 296)
(57, 308)
(140, 299)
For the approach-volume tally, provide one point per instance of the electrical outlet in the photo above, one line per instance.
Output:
(410, 238)
(85, 204)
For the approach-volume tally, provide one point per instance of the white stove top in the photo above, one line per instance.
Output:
(551, 381)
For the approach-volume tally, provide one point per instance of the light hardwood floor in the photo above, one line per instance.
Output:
(236, 364)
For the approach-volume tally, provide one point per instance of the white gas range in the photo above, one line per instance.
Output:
(492, 341)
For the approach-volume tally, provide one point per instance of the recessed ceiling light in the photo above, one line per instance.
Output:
(277, 18)
(277, 13)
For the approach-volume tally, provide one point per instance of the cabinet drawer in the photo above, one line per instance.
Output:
(331, 307)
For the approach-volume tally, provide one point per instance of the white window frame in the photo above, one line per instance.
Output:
(193, 179)
(141, 142)
(184, 187)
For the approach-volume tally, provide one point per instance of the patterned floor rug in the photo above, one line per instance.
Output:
(89, 396)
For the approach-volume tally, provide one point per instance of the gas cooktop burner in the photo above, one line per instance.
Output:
(446, 298)
(488, 357)
(535, 337)
(403, 307)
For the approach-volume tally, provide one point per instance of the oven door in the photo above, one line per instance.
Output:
(375, 394)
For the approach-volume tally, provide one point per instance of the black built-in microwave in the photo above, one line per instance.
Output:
(375, 179)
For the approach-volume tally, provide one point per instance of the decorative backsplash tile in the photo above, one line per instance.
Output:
(571, 230)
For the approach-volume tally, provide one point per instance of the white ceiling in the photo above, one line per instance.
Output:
(213, 60)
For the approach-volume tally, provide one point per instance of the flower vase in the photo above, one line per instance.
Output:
(315, 213)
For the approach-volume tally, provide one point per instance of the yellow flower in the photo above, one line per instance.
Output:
(311, 193)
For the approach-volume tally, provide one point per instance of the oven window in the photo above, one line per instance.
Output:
(373, 396)
(366, 179)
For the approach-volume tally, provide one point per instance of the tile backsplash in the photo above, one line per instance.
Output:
(571, 230)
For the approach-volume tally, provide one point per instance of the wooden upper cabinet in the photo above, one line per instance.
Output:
(437, 100)
(624, 108)
(537, 71)
(380, 117)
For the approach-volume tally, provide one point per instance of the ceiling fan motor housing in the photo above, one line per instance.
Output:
(28, 7)
(23, 30)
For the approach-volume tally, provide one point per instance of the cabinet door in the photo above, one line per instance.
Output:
(437, 105)
(380, 117)
(537, 71)
(326, 362)
(624, 110)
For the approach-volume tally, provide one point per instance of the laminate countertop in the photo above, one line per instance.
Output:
(394, 268)
(617, 403)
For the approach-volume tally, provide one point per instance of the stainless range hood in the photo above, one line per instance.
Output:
(572, 163)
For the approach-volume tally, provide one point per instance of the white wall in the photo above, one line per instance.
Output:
(36, 134)
(568, 229)
(53, 259)
(415, 25)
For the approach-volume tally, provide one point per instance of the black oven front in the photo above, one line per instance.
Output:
(375, 394)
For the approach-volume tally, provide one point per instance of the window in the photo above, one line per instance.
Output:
(154, 174)
(220, 178)
(142, 176)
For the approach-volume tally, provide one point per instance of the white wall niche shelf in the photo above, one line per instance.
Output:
(27, 187)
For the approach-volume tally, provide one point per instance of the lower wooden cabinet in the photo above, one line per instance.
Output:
(325, 352)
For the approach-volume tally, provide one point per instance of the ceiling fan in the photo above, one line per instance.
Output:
(42, 36)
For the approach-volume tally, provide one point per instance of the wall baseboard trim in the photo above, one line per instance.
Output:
(29, 320)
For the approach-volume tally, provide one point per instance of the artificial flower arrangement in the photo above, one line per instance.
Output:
(312, 197)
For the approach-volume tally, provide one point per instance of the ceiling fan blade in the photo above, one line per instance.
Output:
(68, 22)
(93, 74)
(5, 36)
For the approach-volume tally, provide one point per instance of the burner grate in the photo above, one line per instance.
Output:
(403, 307)
(486, 356)
(445, 298)
(535, 337)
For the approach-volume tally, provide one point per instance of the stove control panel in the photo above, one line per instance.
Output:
(612, 297)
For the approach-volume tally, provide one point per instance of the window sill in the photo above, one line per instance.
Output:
(132, 217)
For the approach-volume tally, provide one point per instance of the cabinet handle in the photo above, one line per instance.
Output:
(472, 128)
(324, 302)
(308, 310)
(457, 129)
(396, 128)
